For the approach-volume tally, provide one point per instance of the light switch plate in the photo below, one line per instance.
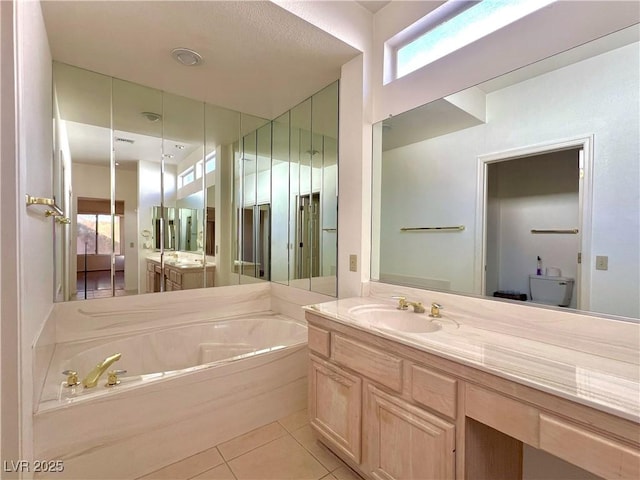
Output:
(353, 263)
(602, 262)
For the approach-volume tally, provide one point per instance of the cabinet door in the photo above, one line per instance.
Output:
(151, 278)
(405, 442)
(335, 406)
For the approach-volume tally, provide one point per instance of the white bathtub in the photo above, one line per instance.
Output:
(186, 389)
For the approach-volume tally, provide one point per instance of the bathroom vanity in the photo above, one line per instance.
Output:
(398, 394)
(178, 275)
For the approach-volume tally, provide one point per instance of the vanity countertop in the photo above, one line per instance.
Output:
(605, 376)
(183, 264)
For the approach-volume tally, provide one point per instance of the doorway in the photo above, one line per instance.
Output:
(533, 205)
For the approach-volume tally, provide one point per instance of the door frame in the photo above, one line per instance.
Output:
(585, 205)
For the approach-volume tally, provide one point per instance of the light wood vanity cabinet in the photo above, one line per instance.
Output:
(177, 278)
(403, 441)
(362, 402)
(335, 406)
(392, 411)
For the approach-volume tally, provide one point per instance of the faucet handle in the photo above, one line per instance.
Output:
(435, 310)
(402, 302)
(112, 377)
(72, 377)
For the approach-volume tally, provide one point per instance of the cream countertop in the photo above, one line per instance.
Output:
(605, 377)
(183, 261)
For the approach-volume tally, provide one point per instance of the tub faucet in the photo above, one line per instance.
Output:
(91, 380)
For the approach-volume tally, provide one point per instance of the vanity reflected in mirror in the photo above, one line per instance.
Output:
(167, 193)
(530, 177)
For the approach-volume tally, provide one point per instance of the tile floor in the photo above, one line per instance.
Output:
(283, 450)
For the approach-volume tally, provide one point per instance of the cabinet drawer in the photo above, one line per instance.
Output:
(502, 413)
(379, 366)
(319, 340)
(434, 390)
(595, 453)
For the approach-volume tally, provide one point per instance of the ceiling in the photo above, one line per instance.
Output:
(374, 5)
(258, 58)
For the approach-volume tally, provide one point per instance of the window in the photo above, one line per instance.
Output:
(210, 162)
(186, 177)
(94, 234)
(466, 26)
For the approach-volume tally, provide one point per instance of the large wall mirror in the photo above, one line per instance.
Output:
(527, 179)
(166, 193)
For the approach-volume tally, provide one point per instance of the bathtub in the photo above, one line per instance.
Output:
(186, 389)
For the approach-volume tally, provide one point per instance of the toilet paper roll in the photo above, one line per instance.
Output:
(553, 272)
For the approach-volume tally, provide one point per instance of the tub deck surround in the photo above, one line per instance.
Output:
(145, 423)
(167, 352)
(594, 362)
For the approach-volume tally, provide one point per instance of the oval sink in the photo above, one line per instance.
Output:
(386, 317)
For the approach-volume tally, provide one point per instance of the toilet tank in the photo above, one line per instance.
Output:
(551, 290)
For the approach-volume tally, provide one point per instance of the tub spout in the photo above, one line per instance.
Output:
(91, 380)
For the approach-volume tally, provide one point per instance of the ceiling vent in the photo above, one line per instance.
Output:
(125, 140)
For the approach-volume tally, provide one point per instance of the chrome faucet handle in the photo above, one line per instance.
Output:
(112, 377)
(435, 310)
(72, 378)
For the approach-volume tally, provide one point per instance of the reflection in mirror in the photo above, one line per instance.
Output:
(137, 151)
(222, 130)
(301, 197)
(83, 138)
(324, 171)
(249, 183)
(526, 180)
(183, 188)
(173, 193)
(280, 201)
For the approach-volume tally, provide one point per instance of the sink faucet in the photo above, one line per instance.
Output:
(435, 310)
(91, 380)
(403, 304)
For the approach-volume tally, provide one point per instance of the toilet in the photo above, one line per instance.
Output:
(551, 290)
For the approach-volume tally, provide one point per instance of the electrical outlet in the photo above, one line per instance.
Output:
(353, 263)
(602, 262)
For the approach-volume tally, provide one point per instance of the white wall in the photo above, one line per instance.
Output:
(442, 172)
(33, 232)
(9, 287)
